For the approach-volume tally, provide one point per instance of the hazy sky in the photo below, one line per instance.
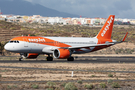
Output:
(92, 8)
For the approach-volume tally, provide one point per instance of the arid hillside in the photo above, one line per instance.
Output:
(10, 30)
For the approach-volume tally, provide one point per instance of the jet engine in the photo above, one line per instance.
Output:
(30, 55)
(61, 53)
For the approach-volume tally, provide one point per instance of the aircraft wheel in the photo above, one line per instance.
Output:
(70, 59)
(49, 58)
(20, 59)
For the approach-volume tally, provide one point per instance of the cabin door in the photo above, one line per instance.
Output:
(25, 42)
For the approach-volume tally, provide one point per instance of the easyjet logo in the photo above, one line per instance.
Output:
(36, 40)
(107, 27)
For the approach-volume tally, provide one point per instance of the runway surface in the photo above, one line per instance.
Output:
(80, 59)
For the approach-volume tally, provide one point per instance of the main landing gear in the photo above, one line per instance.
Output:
(70, 59)
(49, 58)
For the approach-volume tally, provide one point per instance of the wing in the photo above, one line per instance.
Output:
(93, 45)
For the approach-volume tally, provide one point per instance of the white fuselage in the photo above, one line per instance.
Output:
(36, 47)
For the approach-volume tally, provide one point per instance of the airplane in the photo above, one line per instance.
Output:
(31, 47)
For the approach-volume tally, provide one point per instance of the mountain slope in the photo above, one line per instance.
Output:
(19, 7)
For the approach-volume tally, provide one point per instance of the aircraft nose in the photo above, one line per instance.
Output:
(7, 47)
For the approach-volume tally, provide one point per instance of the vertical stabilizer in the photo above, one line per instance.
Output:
(106, 31)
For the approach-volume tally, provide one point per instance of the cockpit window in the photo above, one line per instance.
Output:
(13, 41)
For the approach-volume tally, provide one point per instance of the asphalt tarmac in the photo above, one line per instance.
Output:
(80, 59)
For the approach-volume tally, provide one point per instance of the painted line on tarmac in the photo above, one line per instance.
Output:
(54, 69)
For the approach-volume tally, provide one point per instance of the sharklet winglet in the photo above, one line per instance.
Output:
(124, 37)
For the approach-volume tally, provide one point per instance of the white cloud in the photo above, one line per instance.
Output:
(92, 8)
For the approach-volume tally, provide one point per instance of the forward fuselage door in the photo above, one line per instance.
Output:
(25, 42)
(27, 48)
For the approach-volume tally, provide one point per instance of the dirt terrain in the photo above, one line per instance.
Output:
(38, 75)
(60, 73)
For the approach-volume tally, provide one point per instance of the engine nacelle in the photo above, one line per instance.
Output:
(61, 53)
(30, 55)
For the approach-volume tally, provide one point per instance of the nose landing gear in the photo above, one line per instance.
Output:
(21, 57)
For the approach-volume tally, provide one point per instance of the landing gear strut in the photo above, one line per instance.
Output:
(70, 59)
(21, 57)
(49, 58)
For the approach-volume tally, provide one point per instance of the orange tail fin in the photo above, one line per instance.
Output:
(106, 31)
